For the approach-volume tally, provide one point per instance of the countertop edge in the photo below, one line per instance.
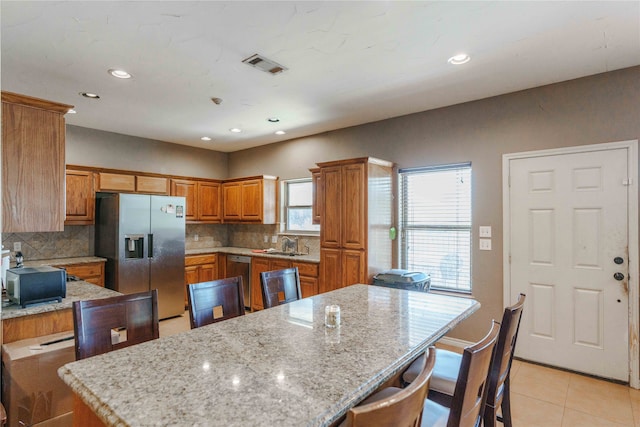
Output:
(249, 252)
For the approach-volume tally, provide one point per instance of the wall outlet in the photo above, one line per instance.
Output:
(274, 239)
(266, 238)
(485, 244)
(17, 246)
(196, 237)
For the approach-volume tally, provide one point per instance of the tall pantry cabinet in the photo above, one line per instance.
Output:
(356, 213)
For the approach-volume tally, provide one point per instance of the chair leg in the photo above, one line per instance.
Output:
(489, 416)
(506, 404)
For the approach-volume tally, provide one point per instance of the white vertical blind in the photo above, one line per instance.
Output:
(436, 224)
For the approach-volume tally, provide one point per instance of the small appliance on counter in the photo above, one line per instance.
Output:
(30, 285)
(403, 279)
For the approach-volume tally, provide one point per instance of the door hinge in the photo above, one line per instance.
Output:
(627, 181)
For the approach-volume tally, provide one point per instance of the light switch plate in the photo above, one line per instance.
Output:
(274, 239)
(17, 246)
(485, 244)
(485, 231)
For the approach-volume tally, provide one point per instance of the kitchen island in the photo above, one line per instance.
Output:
(278, 367)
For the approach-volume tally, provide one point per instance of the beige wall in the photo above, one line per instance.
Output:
(90, 147)
(597, 109)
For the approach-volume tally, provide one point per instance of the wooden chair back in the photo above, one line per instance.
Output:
(503, 357)
(470, 395)
(401, 409)
(215, 301)
(103, 325)
(280, 287)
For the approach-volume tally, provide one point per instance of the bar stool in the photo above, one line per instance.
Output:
(280, 287)
(215, 301)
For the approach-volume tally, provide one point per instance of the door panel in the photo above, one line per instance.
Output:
(568, 218)
(331, 218)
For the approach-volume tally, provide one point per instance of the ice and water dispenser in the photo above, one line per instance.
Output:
(133, 245)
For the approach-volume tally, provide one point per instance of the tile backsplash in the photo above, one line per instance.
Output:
(78, 240)
(74, 241)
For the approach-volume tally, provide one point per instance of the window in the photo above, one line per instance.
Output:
(297, 199)
(435, 221)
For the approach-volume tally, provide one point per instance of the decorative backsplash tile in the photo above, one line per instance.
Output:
(74, 241)
(207, 235)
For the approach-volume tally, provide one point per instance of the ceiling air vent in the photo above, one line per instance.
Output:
(264, 64)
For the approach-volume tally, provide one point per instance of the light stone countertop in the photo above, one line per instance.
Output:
(76, 291)
(275, 367)
(64, 261)
(249, 252)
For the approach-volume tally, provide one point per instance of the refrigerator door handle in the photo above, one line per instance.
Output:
(150, 249)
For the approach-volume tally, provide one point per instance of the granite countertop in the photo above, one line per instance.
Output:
(278, 367)
(76, 291)
(249, 252)
(64, 261)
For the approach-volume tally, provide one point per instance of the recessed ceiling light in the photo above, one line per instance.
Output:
(205, 138)
(90, 95)
(235, 130)
(273, 119)
(121, 74)
(280, 132)
(461, 58)
(71, 111)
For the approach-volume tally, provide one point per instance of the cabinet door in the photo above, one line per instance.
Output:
(207, 272)
(330, 269)
(252, 205)
(316, 190)
(279, 264)
(190, 277)
(80, 198)
(308, 286)
(209, 206)
(353, 267)
(33, 166)
(232, 201)
(186, 189)
(331, 217)
(116, 182)
(152, 185)
(354, 195)
(258, 265)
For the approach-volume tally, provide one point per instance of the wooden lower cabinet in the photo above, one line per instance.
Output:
(341, 267)
(308, 272)
(199, 268)
(92, 272)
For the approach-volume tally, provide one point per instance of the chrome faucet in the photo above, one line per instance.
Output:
(289, 243)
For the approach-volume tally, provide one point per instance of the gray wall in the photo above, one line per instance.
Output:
(90, 147)
(596, 109)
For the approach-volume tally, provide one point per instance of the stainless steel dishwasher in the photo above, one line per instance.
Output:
(238, 265)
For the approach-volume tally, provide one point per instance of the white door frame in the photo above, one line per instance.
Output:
(634, 260)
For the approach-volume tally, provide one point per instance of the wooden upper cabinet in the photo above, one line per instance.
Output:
(316, 189)
(354, 205)
(80, 198)
(152, 185)
(251, 200)
(116, 182)
(33, 164)
(331, 217)
(202, 199)
(187, 189)
(232, 201)
(209, 201)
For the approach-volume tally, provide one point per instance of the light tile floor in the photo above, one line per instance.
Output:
(541, 396)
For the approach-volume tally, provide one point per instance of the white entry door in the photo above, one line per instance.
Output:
(569, 254)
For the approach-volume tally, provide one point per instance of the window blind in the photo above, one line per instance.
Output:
(435, 221)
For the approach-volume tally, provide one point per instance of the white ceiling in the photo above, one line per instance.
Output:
(348, 62)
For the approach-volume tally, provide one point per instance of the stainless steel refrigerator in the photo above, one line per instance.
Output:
(142, 238)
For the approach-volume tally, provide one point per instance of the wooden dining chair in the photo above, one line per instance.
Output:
(280, 286)
(215, 301)
(448, 364)
(470, 394)
(103, 325)
(392, 406)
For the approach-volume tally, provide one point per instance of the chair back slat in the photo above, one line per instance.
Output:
(215, 301)
(132, 318)
(280, 286)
